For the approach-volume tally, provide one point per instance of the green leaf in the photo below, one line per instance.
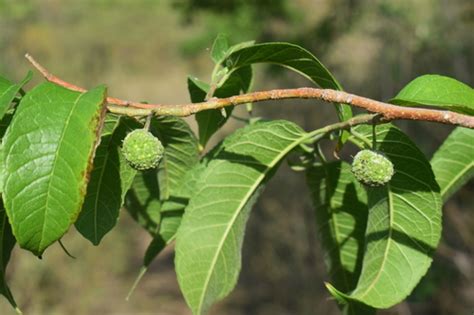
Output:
(404, 223)
(197, 90)
(292, 57)
(181, 153)
(172, 211)
(170, 222)
(210, 237)
(239, 46)
(2, 169)
(238, 81)
(219, 48)
(188, 186)
(453, 163)
(341, 216)
(209, 121)
(48, 152)
(110, 179)
(7, 242)
(168, 218)
(439, 91)
(144, 201)
(8, 91)
(175, 180)
(4, 123)
(354, 307)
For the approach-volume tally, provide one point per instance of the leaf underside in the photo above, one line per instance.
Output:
(143, 201)
(161, 188)
(159, 196)
(341, 216)
(290, 56)
(404, 223)
(181, 153)
(210, 237)
(340, 202)
(453, 163)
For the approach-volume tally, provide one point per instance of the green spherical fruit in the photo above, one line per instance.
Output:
(372, 168)
(142, 150)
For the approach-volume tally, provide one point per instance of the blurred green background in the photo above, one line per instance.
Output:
(143, 50)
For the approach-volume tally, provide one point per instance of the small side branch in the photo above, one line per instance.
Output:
(387, 111)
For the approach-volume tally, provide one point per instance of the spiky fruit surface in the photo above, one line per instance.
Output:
(372, 168)
(142, 150)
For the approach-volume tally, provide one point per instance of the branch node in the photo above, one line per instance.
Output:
(324, 95)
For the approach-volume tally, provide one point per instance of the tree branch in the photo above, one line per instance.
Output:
(387, 111)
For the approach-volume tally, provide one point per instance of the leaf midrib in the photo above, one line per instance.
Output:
(56, 154)
(12, 87)
(387, 248)
(236, 214)
(455, 179)
(334, 225)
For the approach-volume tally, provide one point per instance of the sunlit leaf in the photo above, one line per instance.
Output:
(438, 91)
(219, 48)
(48, 152)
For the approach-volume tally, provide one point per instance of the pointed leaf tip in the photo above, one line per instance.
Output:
(219, 47)
(338, 295)
(110, 179)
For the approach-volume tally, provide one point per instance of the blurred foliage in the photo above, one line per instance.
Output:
(144, 49)
(241, 20)
(272, 8)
